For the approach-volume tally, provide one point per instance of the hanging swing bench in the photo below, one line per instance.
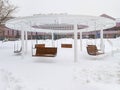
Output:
(43, 51)
(17, 48)
(92, 50)
(18, 51)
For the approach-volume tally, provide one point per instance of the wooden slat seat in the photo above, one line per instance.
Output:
(92, 50)
(46, 51)
(66, 45)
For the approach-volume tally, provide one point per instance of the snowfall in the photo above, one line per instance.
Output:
(24, 72)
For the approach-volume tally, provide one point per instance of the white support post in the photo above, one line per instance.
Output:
(81, 41)
(101, 37)
(22, 41)
(26, 37)
(75, 44)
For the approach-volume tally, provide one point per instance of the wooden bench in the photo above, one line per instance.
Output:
(66, 45)
(46, 51)
(92, 50)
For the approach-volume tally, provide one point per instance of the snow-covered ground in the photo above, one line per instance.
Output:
(60, 73)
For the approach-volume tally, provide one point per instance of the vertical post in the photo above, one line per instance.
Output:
(22, 41)
(75, 44)
(36, 38)
(26, 37)
(95, 33)
(101, 37)
(81, 41)
(52, 39)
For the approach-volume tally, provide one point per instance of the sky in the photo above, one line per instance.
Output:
(79, 7)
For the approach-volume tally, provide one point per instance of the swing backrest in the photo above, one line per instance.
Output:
(39, 45)
(66, 45)
(93, 46)
(92, 49)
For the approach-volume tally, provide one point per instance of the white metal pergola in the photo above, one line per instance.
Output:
(25, 24)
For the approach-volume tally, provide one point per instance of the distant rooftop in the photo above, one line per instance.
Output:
(107, 16)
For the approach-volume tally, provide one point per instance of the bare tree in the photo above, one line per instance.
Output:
(6, 10)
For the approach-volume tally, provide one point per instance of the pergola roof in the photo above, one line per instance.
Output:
(60, 23)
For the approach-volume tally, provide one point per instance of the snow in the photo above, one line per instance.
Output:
(60, 73)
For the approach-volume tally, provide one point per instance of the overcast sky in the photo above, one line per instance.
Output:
(81, 7)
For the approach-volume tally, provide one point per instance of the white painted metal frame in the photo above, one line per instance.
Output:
(28, 22)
